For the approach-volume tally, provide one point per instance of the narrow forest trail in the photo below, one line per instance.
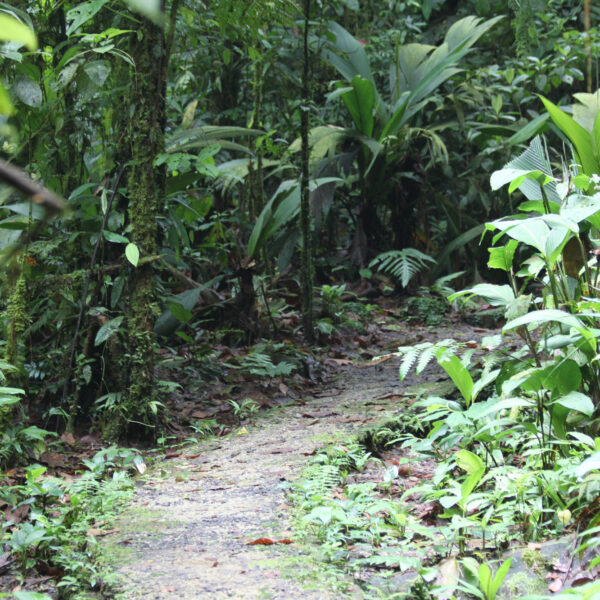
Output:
(187, 530)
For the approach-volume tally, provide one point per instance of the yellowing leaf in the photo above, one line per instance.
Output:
(132, 253)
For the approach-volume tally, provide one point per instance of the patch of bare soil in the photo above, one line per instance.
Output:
(214, 522)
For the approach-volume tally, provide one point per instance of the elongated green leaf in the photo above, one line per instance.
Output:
(180, 312)
(578, 136)
(499, 577)
(496, 295)
(360, 101)
(541, 317)
(117, 238)
(457, 372)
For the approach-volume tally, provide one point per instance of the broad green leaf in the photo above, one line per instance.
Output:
(9, 400)
(180, 312)
(28, 92)
(107, 330)
(502, 257)
(518, 307)
(116, 238)
(132, 253)
(496, 295)
(98, 71)
(540, 317)
(580, 207)
(12, 30)
(577, 401)
(82, 13)
(532, 231)
(475, 468)
(457, 372)
(591, 463)
(166, 324)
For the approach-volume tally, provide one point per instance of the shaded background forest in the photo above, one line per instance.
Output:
(177, 147)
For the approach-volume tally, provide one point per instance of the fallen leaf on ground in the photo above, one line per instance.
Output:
(268, 542)
(100, 532)
(68, 438)
(555, 586)
(169, 454)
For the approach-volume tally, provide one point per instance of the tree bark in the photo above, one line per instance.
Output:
(307, 266)
(146, 188)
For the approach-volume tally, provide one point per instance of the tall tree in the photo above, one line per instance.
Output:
(307, 271)
(146, 186)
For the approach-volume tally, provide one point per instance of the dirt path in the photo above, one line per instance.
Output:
(185, 535)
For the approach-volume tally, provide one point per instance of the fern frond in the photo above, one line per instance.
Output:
(403, 264)
(409, 358)
(426, 357)
(422, 354)
(320, 479)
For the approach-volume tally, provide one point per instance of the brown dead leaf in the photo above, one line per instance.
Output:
(338, 362)
(260, 542)
(53, 459)
(18, 515)
(171, 454)
(268, 542)
(555, 586)
(100, 532)
(68, 438)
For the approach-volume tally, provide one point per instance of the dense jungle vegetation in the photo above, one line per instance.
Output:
(198, 194)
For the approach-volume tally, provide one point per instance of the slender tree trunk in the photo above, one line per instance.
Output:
(307, 269)
(146, 193)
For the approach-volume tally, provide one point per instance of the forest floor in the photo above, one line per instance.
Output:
(215, 521)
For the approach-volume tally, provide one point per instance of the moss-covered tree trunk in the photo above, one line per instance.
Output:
(305, 211)
(146, 187)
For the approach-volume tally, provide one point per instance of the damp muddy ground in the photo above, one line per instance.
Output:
(189, 530)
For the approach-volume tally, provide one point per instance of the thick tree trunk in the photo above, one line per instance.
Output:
(146, 191)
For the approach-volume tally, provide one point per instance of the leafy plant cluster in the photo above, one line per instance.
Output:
(63, 518)
(517, 449)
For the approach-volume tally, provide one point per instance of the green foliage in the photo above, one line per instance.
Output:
(403, 265)
(63, 514)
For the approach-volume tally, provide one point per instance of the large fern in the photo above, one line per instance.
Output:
(422, 354)
(403, 264)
